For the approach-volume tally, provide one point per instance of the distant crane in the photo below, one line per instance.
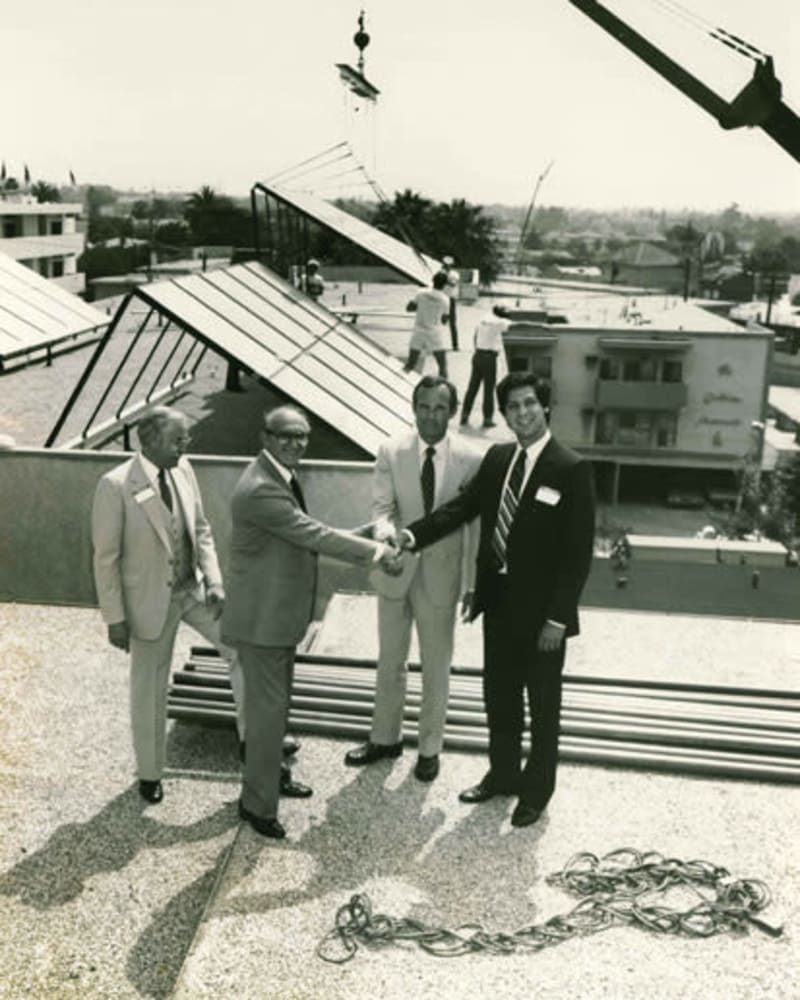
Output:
(528, 214)
(759, 102)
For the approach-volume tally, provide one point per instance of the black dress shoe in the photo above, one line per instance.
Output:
(266, 827)
(426, 768)
(151, 791)
(525, 815)
(293, 789)
(289, 749)
(485, 789)
(368, 753)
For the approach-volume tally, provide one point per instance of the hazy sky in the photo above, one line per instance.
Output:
(476, 98)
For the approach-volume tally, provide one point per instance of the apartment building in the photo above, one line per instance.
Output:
(44, 237)
(658, 393)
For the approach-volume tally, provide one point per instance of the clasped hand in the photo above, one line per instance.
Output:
(391, 558)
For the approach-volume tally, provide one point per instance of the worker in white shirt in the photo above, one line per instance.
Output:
(488, 344)
(452, 292)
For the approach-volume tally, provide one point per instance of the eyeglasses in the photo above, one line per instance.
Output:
(300, 437)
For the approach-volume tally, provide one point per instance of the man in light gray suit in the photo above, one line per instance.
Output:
(415, 472)
(155, 565)
(271, 591)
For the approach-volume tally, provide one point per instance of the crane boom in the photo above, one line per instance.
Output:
(759, 103)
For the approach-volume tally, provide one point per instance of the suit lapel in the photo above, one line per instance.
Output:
(270, 471)
(152, 506)
(185, 495)
(546, 461)
(408, 475)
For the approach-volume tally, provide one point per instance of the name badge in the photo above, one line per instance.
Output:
(144, 494)
(546, 494)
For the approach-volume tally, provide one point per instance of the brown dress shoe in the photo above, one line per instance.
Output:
(524, 814)
(151, 791)
(266, 827)
(293, 789)
(427, 767)
(369, 752)
(486, 789)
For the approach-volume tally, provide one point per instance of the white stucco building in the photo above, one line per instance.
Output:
(44, 237)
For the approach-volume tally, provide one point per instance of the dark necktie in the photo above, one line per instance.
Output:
(163, 489)
(508, 507)
(298, 494)
(428, 479)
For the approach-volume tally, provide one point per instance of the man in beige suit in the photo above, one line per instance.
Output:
(155, 565)
(414, 473)
(271, 591)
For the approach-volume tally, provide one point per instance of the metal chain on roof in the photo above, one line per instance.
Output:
(624, 887)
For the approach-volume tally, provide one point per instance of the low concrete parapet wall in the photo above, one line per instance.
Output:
(46, 501)
(707, 550)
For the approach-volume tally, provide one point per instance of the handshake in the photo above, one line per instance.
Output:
(393, 541)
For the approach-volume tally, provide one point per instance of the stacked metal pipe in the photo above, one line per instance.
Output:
(689, 728)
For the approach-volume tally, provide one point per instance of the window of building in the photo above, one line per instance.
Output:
(636, 428)
(541, 365)
(10, 227)
(671, 371)
(666, 430)
(609, 369)
(42, 223)
(639, 370)
(56, 267)
(56, 227)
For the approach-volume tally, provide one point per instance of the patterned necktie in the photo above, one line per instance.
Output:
(298, 494)
(164, 490)
(427, 479)
(508, 507)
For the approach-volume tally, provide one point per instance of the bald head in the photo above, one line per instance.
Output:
(285, 434)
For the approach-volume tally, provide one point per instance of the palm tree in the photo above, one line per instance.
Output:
(45, 192)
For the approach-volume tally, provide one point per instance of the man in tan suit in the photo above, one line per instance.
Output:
(155, 565)
(413, 473)
(271, 591)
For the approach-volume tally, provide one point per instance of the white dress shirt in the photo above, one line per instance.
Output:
(151, 470)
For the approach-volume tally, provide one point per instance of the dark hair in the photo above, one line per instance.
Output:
(514, 380)
(433, 382)
(439, 280)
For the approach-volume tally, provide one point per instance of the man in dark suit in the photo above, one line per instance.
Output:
(535, 499)
(271, 589)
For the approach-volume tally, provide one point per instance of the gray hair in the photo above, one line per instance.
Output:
(153, 423)
(270, 416)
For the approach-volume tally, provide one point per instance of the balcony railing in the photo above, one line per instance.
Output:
(640, 395)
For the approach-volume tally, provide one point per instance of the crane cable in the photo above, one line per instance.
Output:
(624, 887)
(719, 34)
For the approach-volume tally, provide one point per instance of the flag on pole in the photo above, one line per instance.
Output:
(3, 171)
(27, 174)
(72, 180)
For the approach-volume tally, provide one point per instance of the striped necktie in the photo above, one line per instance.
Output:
(508, 507)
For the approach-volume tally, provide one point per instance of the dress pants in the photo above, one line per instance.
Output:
(435, 633)
(512, 666)
(268, 673)
(151, 660)
(484, 372)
